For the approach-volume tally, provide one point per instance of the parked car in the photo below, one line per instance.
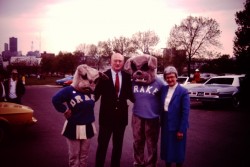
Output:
(186, 82)
(218, 89)
(68, 82)
(61, 81)
(183, 80)
(12, 115)
(206, 76)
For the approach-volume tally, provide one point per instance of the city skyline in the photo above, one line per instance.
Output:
(62, 25)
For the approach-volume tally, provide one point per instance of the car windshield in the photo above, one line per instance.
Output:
(226, 81)
(181, 80)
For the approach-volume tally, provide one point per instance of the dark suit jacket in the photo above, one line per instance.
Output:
(20, 88)
(1, 91)
(113, 109)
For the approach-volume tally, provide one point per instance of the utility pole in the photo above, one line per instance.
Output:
(32, 46)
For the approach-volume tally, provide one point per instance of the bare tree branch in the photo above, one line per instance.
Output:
(195, 35)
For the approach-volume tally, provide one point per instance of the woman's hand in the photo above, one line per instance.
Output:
(67, 113)
(179, 135)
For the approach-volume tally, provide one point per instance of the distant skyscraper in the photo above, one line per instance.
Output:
(13, 44)
(6, 47)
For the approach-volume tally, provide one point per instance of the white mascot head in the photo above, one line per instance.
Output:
(86, 78)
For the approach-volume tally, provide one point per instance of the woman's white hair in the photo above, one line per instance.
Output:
(170, 70)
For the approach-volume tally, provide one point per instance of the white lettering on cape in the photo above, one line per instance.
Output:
(78, 99)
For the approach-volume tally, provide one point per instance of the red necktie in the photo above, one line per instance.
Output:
(117, 84)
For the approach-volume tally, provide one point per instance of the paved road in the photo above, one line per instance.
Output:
(217, 137)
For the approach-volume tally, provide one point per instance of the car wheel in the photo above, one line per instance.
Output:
(3, 132)
(236, 101)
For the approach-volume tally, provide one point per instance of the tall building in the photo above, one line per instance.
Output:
(6, 47)
(13, 44)
(10, 50)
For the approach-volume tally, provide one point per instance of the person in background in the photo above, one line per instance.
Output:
(174, 119)
(23, 79)
(14, 88)
(197, 76)
(113, 116)
(2, 89)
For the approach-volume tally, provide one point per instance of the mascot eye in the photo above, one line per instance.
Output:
(84, 77)
(133, 66)
(145, 67)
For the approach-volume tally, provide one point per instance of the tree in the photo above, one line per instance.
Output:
(104, 49)
(145, 41)
(122, 45)
(242, 40)
(81, 55)
(195, 35)
(66, 62)
(23, 68)
(82, 48)
(81, 51)
(176, 58)
(47, 64)
(91, 50)
(221, 65)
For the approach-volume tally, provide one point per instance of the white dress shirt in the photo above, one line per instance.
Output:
(169, 96)
(12, 93)
(3, 93)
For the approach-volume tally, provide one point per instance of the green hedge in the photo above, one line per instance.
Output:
(42, 81)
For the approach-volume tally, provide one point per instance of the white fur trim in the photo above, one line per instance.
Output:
(94, 128)
(81, 132)
(64, 126)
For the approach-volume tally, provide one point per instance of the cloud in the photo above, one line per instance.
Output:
(14, 8)
(197, 6)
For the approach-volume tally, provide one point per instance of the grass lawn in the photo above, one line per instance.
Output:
(45, 81)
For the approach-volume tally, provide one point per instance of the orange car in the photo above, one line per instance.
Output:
(11, 115)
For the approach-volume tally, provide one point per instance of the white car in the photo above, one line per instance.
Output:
(217, 89)
(183, 80)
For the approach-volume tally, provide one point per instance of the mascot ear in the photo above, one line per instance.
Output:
(127, 66)
(152, 62)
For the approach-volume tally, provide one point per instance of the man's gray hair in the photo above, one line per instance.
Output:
(170, 70)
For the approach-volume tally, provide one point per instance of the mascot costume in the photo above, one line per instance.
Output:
(146, 109)
(79, 112)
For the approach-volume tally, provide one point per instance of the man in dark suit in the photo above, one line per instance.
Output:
(14, 88)
(2, 89)
(113, 116)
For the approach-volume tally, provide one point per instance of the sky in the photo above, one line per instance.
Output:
(62, 25)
